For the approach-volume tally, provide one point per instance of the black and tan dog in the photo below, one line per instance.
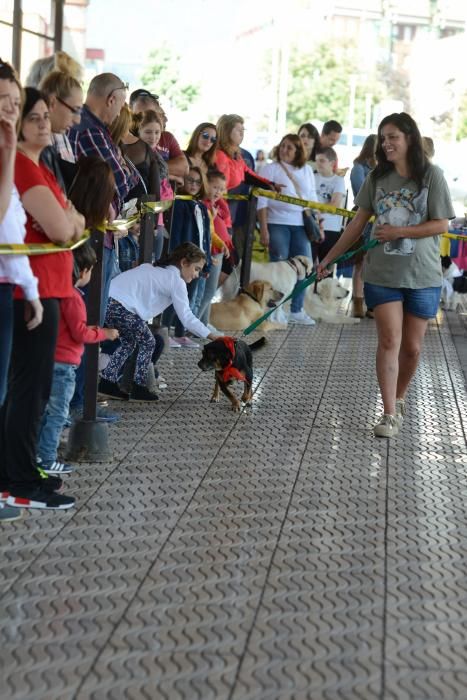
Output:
(232, 360)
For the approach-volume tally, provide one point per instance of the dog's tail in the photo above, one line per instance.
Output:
(257, 344)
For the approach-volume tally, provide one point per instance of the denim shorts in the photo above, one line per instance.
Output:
(423, 303)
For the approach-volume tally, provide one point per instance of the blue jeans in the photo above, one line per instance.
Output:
(6, 335)
(285, 242)
(110, 270)
(56, 411)
(198, 296)
(192, 290)
(210, 289)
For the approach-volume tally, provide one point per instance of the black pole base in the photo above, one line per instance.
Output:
(88, 442)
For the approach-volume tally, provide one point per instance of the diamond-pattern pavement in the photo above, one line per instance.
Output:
(279, 553)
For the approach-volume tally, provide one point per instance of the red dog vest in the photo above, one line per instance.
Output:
(230, 372)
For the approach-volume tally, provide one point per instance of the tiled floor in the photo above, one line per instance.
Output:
(280, 553)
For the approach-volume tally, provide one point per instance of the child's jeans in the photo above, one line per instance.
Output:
(198, 296)
(56, 411)
(210, 289)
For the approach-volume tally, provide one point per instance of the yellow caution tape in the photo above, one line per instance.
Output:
(239, 197)
(156, 207)
(120, 224)
(40, 248)
(305, 203)
(455, 236)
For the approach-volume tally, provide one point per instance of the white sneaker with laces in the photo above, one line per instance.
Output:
(387, 426)
(301, 318)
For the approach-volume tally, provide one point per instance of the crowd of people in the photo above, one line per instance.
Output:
(70, 161)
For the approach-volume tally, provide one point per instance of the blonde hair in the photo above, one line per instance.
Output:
(120, 125)
(59, 83)
(59, 61)
(224, 128)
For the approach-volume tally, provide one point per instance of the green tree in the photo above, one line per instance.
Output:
(163, 75)
(319, 84)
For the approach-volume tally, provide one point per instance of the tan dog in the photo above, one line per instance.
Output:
(247, 307)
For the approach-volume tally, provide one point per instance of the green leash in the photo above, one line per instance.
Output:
(306, 283)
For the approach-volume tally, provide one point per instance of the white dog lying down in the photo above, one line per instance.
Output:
(449, 297)
(283, 275)
(323, 304)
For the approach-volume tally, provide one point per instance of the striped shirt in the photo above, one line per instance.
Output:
(91, 137)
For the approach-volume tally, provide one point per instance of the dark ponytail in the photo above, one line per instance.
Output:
(188, 251)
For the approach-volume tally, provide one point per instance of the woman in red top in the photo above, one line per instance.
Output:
(230, 132)
(50, 218)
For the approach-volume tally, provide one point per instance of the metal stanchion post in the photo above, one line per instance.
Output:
(88, 439)
(146, 236)
(248, 249)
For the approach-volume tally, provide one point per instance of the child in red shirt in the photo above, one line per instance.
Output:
(73, 333)
(221, 223)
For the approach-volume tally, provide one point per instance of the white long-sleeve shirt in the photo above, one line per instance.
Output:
(281, 212)
(15, 269)
(147, 291)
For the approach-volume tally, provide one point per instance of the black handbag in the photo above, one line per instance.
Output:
(311, 226)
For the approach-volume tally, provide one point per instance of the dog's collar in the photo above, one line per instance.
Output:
(249, 294)
(229, 372)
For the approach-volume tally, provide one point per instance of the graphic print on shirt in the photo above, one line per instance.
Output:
(401, 208)
(325, 192)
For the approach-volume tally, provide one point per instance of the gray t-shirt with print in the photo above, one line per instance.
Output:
(395, 200)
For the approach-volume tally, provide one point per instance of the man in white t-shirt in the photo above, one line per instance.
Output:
(330, 189)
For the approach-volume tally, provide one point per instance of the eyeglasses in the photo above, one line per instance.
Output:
(123, 86)
(191, 180)
(74, 110)
(204, 135)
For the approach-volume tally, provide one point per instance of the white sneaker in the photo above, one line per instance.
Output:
(279, 316)
(387, 426)
(187, 342)
(301, 317)
(173, 343)
(161, 382)
(400, 411)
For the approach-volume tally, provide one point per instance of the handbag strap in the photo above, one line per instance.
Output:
(294, 182)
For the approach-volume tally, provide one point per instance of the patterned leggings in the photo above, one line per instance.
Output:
(133, 332)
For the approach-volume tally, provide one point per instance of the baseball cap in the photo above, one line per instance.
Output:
(141, 92)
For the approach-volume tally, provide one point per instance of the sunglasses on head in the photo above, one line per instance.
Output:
(204, 135)
(123, 86)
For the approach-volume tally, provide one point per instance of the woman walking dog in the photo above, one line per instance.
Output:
(402, 276)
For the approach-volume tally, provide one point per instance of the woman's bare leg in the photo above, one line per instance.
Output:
(357, 281)
(413, 332)
(389, 320)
